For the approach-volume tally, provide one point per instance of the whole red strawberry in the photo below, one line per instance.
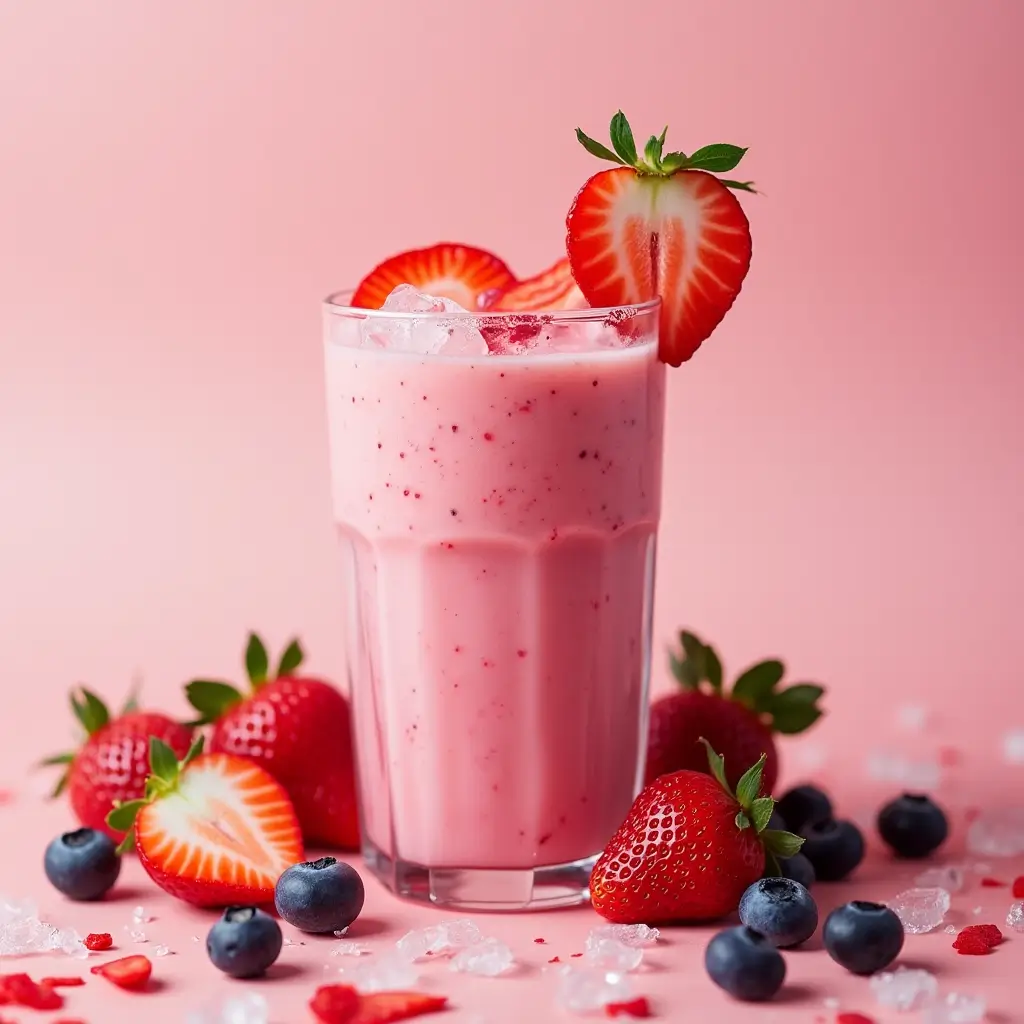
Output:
(112, 765)
(689, 848)
(740, 724)
(297, 728)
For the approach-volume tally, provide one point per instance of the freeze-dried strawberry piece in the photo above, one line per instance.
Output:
(1018, 887)
(992, 883)
(989, 933)
(97, 941)
(62, 982)
(21, 990)
(971, 945)
(633, 1008)
(854, 1018)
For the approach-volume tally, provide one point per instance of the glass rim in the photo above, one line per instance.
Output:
(336, 304)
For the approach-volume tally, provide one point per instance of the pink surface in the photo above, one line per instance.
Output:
(672, 976)
(179, 187)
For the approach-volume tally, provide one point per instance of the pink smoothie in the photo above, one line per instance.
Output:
(498, 518)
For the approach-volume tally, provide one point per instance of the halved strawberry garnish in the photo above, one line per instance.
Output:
(213, 830)
(447, 270)
(128, 972)
(661, 225)
(342, 1004)
(554, 288)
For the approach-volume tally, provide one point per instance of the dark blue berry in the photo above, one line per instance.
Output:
(799, 868)
(319, 896)
(803, 806)
(834, 849)
(83, 864)
(782, 910)
(863, 937)
(244, 942)
(913, 826)
(745, 964)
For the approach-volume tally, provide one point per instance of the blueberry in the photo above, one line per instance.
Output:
(82, 864)
(799, 868)
(745, 964)
(913, 826)
(834, 849)
(803, 806)
(782, 910)
(863, 937)
(244, 942)
(323, 895)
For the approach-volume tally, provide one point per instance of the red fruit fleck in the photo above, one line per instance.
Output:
(854, 1018)
(62, 982)
(64, 1020)
(334, 1004)
(574, 955)
(113, 763)
(540, 942)
(1018, 886)
(992, 883)
(555, 960)
(98, 941)
(949, 757)
(680, 854)
(131, 972)
(298, 729)
(989, 933)
(342, 1004)
(972, 945)
(488, 436)
(21, 990)
(634, 1008)
(461, 273)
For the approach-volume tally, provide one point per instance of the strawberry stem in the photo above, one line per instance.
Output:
(713, 159)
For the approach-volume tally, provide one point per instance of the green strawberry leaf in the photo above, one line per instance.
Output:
(90, 711)
(163, 761)
(742, 821)
(652, 151)
(713, 668)
(758, 683)
(594, 148)
(800, 693)
(131, 703)
(126, 844)
(738, 186)
(719, 157)
(771, 865)
(761, 812)
(717, 765)
(781, 844)
(794, 719)
(672, 162)
(257, 663)
(122, 817)
(211, 699)
(622, 139)
(193, 752)
(684, 670)
(291, 659)
(748, 789)
(62, 784)
(56, 759)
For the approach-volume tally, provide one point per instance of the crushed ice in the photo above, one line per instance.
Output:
(488, 958)
(609, 954)
(920, 910)
(438, 939)
(950, 877)
(956, 1008)
(634, 935)
(904, 989)
(912, 717)
(240, 1008)
(428, 335)
(349, 948)
(585, 989)
(22, 932)
(390, 972)
(1015, 918)
(140, 916)
(161, 950)
(997, 833)
(886, 767)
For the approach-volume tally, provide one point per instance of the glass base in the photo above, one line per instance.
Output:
(487, 889)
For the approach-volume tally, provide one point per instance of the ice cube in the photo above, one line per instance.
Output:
(447, 937)
(950, 929)
(585, 989)
(22, 932)
(918, 775)
(239, 1008)
(977, 911)
(956, 1008)
(488, 958)
(997, 833)
(140, 916)
(137, 935)
(433, 333)
(904, 989)
(340, 933)
(1013, 747)
(1015, 918)
(349, 948)
(636, 935)
(920, 910)
(611, 955)
(949, 877)
(390, 972)
(161, 950)
(912, 717)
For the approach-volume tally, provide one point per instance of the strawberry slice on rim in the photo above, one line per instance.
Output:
(554, 288)
(213, 830)
(661, 225)
(447, 270)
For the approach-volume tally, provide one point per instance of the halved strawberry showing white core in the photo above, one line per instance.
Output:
(213, 830)
(661, 225)
(554, 288)
(448, 270)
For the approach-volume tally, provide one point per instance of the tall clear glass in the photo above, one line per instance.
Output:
(497, 503)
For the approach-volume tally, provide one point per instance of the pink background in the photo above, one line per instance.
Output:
(180, 184)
